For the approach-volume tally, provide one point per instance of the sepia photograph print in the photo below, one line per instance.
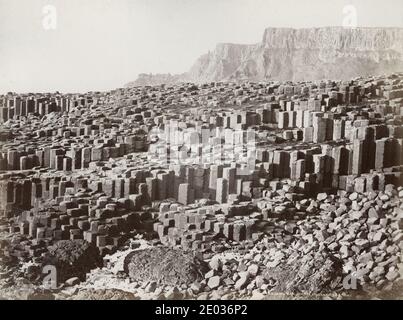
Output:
(215, 150)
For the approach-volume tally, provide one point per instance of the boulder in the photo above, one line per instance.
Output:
(214, 282)
(165, 265)
(311, 273)
(73, 258)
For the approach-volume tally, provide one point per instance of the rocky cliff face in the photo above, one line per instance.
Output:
(298, 54)
(222, 63)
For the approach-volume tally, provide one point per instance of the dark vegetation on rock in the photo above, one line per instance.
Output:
(164, 265)
(73, 258)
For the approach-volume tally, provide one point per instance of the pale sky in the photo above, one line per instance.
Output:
(103, 44)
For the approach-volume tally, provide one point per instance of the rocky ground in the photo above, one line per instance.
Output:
(347, 245)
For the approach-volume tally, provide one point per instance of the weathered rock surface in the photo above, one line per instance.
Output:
(73, 258)
(164, 265)
(310, 274)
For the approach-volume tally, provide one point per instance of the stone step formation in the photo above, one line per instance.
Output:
(197, 165)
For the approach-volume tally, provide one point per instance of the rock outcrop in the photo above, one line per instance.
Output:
(73, 258)
(164, 265)
(148, 79)
(297, 55)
